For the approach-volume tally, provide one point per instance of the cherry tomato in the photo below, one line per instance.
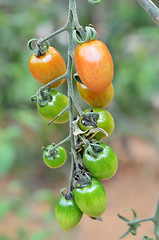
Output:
(94, 99)
(67, 213)
(104, 165)
(48, 67)
(56, 158)
(91, 200)
(94, 65)
(53, 107)
(105, 121)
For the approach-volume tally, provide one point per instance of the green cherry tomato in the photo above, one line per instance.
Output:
(67, 213)
(53, 107)
(105, 121)
(56, 158)
(91, 200)
(104, 165)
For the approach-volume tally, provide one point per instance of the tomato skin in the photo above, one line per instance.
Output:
(94, 65)
(91, 200)
(94, 99)
(67, 213)
(58, 161)
(105, 121)
(48, 67)
(103, 166)
(58, 102)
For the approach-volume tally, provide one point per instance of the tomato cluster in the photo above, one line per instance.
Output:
(45, 68)
(95, 160)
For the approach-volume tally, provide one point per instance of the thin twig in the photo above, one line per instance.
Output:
(151, 9)
(58, 115)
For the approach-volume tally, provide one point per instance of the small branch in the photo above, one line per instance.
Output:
(58, 115)
(156, 221)
(151, 9)
(77, 106)
(74, 13)
(53, 81)
(131, 223)
(60, 143)
(65, 28)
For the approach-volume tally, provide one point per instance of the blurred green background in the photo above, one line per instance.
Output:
(132, 38)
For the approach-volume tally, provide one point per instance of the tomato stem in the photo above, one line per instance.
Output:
(64, 110)
(151, 9)
(135, 223)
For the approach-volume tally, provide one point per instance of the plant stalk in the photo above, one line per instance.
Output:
(151, 9)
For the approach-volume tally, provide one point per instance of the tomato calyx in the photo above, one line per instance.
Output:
(40, 47)
(82, 177)
(90, 119)
(68, 195)
(42, 97)
(94, 149)
(50, 152)
(86, 35)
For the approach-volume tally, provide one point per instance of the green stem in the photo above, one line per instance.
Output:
(60, 143)
(74, 12)
(65, 28)
(133, 222)
(151, 9)
(53, 81)
(156, 221)
(58, 115)
(72, 8)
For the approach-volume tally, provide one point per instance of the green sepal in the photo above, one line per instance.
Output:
(43, 97)
(89, 34)
(94, 149)
(50, 153)
(41, 47)
(90, 119)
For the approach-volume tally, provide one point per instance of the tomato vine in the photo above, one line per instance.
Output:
(85, 193)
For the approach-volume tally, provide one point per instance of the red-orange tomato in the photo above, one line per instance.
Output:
(94, 99)
(94, 65)
(48, 67)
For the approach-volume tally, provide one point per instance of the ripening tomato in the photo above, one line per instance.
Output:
(103, 166)
(56, 158)
(48, 67)
(53, 107)
(94, 99)
(105, 121)
(94, 65)
(91, 200)
(67, 213)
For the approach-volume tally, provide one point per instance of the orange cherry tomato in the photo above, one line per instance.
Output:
(94, 65)
(48, 67)
(94, 99)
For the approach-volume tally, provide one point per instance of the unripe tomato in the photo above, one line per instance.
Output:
(94, 99)
(55, 159)
(67, 213)
(105, 121)
(53, 107)
(103, 166)
(94, 65)
(91, 200)
(48, 67)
